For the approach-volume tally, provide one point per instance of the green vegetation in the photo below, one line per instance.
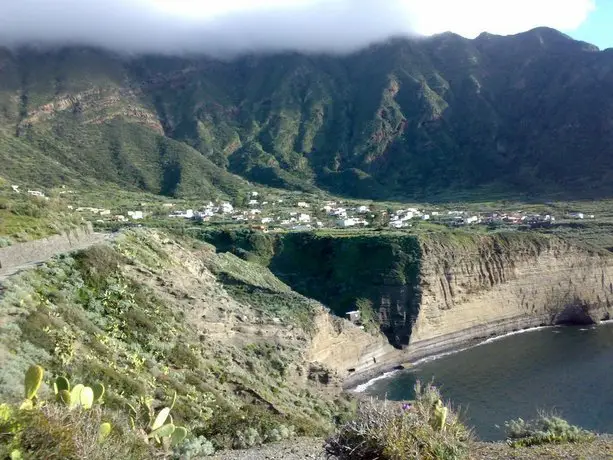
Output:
(24, 218)
(422, 122)
(545, 429)
(137, 319)
(423, 429)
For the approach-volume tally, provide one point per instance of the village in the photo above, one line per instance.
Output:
(303, 213)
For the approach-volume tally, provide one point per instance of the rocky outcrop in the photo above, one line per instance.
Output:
(489, 285)
(346, 349)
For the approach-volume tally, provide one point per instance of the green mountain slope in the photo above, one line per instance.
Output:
(528, 113)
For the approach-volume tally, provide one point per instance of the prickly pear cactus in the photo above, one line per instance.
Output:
(160, 419)
(98, 392)
(61, 383)
(178, 436)
(104, 431)
(33, 380)
(86, 398)
(163, 432)
(64, 397)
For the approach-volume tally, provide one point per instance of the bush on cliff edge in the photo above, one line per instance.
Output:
(424, 429)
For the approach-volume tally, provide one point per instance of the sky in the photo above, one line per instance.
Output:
(226, 27)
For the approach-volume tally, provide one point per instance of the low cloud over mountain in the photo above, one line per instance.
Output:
(236, 26)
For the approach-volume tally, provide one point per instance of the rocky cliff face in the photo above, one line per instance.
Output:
(435, 291)
(346, 349)
(495, 284)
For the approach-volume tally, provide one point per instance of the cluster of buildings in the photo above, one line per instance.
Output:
(307, 215)
(35, 193)
(208, 211)
(402, 217)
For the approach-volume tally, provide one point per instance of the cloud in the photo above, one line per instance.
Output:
(234, 26)
(471, 17)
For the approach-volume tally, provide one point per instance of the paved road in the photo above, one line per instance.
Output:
(39, 258)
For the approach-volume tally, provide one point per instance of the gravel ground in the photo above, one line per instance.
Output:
(296, 449)
(301, 449)
(601, 449)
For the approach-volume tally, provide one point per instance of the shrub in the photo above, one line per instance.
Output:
(545, 429)
(246, 427)
(53, 432)
(194, 448)
(424, 430)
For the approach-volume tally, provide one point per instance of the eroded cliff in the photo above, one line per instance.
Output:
(434, 291)
(476, 286)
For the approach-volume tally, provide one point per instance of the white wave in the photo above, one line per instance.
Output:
(509, 334)
(362, 388)
(440, 355)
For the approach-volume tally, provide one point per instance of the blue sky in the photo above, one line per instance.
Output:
(598, 28)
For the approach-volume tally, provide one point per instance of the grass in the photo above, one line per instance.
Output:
(24, 218)
(116, 315)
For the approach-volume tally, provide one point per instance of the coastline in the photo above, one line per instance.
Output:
(451, 343)
(446, 345)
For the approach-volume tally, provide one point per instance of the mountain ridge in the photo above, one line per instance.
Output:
(408, 118)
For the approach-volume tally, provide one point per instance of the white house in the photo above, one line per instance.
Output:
(363, 209)
(253, 202)
(302, 228)
(339, 212)
(137, 215)
(267, 220)
(472, 220)
(304, 218)
(189, 214)
(302, 204)
(346, 223)
(105, 212)
(36, 193)
(576, 215)
(226, 208)
(254, 193)
(15, 188)
(425, 217)
(254, 212)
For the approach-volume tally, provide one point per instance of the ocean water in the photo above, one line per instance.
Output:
(568, 370)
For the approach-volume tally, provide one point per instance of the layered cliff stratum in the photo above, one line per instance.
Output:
(436, 291)
(405, 118)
